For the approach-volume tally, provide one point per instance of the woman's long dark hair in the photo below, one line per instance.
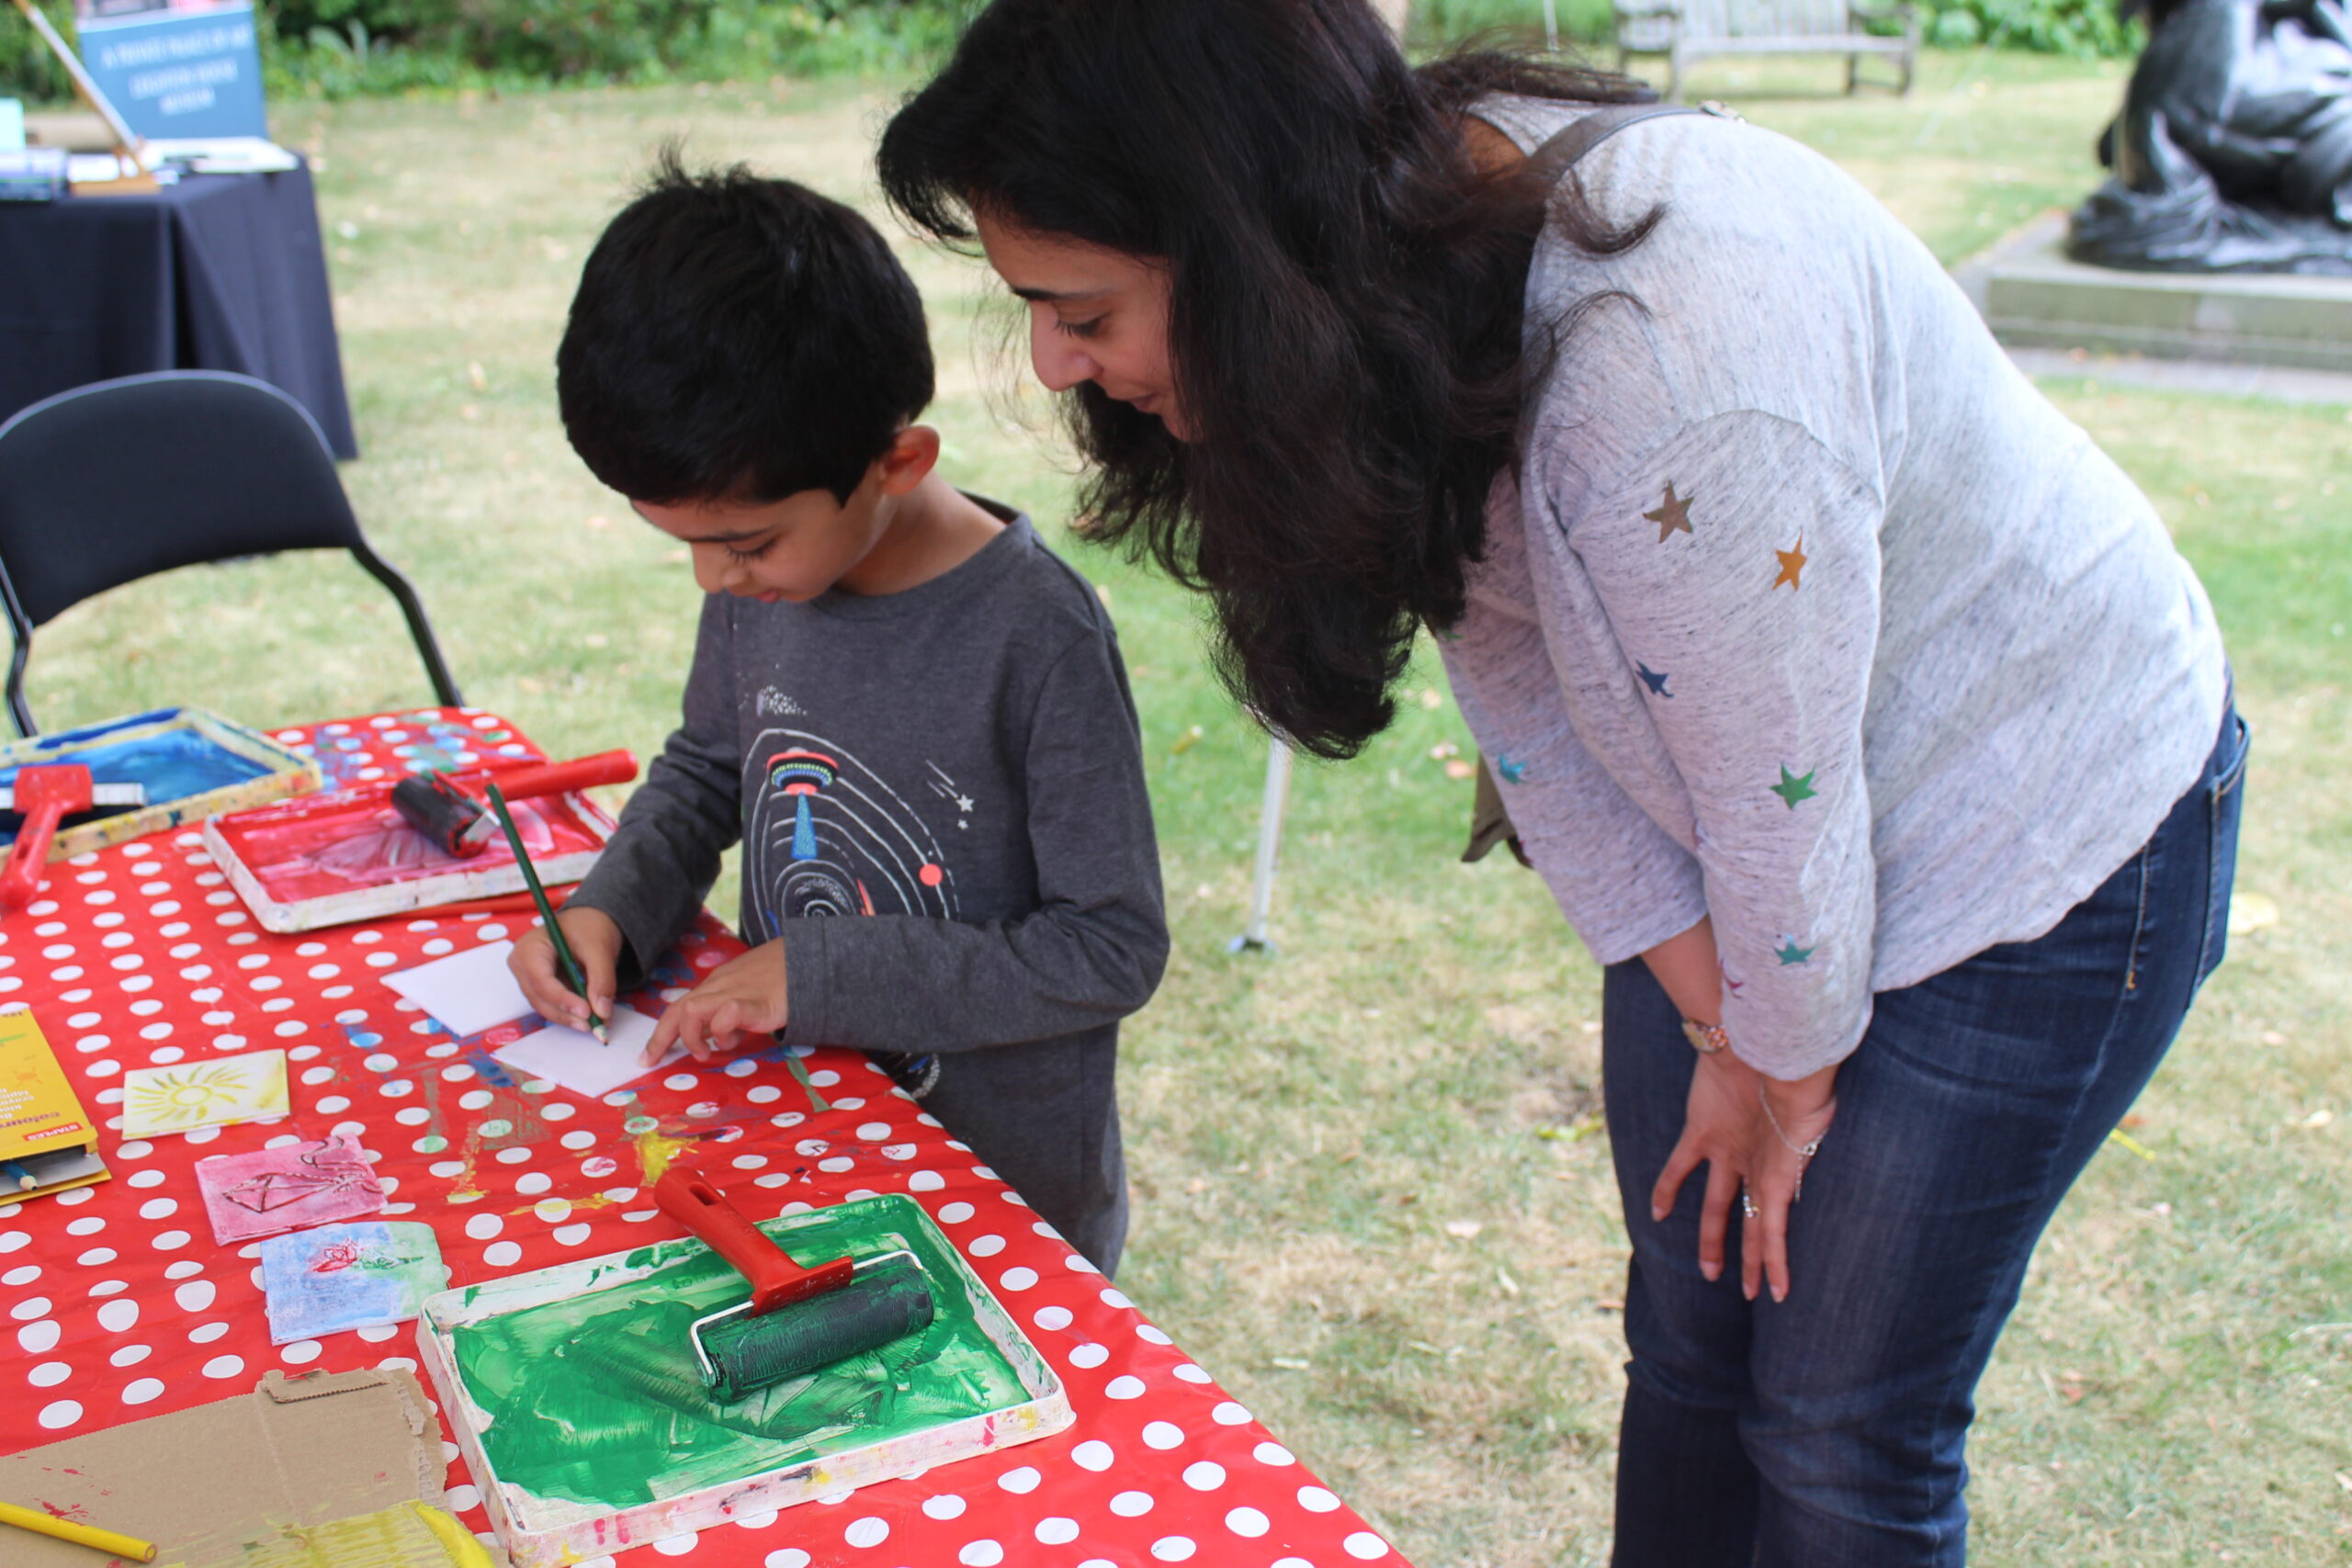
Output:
(1345, 312)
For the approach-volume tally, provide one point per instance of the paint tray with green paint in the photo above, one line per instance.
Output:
(574, 1394)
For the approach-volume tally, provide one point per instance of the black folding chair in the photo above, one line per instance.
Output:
(116, 480)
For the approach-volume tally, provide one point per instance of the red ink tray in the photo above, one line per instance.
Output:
(328, 860)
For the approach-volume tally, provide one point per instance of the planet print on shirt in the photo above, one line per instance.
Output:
(826, 835)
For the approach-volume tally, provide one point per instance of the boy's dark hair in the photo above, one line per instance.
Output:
(738, 338)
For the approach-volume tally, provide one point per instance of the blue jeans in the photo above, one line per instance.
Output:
(1828, 1431)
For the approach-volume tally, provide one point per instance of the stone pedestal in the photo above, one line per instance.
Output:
(2031, 294)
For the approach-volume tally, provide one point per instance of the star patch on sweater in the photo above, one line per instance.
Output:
(1673, 517)
(1789, 953)
(1795, 787)
(1512, 769)
(1793, 562)
(1654, 681)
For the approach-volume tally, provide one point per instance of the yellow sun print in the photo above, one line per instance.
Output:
(204, 1094)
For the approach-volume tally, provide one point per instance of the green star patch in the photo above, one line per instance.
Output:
(1795, 787)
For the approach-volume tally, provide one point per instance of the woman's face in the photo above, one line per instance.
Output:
(1094, 315)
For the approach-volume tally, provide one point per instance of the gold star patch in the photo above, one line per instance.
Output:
(1792, 564)
(1672, 517)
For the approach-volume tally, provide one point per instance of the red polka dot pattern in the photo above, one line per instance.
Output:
(120, 1306)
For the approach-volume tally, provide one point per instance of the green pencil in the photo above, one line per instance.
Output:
(572, 975)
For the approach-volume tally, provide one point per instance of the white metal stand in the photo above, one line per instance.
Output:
(1253, 938)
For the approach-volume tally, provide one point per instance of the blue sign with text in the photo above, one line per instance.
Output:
(180, 73)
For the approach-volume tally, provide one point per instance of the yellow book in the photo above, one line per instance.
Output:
(48, 1143)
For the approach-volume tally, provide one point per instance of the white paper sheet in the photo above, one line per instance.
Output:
(86, 168)
(466, 991)
(223, 154)
(575, 1061)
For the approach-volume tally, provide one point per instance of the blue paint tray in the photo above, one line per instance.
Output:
(195, 766)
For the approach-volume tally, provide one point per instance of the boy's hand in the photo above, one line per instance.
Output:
(596, 943)
(744, 996)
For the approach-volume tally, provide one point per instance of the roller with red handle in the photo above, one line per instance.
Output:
(113, 797)
(445, 810)
(797, 1321)
(775, 1279)
(47, 793)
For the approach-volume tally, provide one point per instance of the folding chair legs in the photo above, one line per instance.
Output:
(420, 629)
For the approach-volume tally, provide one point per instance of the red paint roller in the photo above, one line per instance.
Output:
(444, 808)
(797, 1319)
(47, 794)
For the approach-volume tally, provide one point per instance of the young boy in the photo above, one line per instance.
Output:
(913, 714)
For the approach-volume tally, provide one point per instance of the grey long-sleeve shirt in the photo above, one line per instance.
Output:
(941, 797)
(1804, 610)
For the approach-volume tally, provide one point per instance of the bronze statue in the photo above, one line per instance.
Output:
(2233, 151)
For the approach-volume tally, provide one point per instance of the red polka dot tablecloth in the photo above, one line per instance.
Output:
(120, 1306)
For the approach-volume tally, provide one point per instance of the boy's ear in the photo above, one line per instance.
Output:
(912, 454)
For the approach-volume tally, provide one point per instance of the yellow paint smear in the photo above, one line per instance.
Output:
(593, 1201)
(654, 1153)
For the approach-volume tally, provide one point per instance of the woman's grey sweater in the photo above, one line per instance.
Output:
(1804, 610)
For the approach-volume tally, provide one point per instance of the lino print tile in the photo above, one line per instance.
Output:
(272, 1190)
(352, 1276)
(215, 1093)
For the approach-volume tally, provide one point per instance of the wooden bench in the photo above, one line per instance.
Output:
(1689, 30)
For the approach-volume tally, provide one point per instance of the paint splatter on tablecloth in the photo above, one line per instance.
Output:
(119, 1307)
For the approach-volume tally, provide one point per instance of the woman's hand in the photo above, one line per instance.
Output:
(1729, 1126)
(1722, 1122)
(744, 996)
(596, 943)
(1797, 1113)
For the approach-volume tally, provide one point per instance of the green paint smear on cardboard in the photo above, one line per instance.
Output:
(596, 1399)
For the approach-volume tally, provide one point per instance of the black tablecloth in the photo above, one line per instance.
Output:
(220, 272)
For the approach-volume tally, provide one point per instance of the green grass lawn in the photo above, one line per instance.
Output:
(1371, 1196)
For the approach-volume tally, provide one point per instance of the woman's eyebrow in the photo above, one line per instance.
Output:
(1058, 296)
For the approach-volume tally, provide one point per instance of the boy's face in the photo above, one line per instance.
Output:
(792, 549)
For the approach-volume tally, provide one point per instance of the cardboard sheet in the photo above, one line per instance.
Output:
(466, 991)
(579, 1063)
(205, 1484)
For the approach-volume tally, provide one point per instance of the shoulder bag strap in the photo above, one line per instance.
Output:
(1490, 822)
(1558, 155)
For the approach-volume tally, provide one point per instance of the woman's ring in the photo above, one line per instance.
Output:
(1748, 1206)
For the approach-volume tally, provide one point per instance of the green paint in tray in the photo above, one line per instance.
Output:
(594, 1399)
